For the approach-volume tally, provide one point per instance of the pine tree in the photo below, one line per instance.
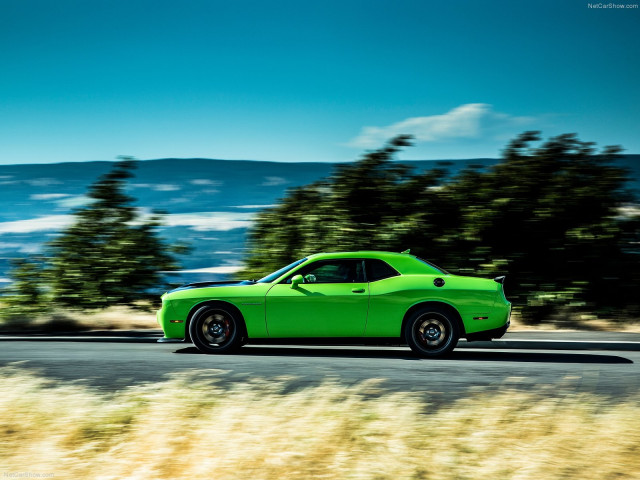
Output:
(110, 254)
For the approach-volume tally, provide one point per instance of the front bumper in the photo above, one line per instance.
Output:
(170, 340)
(172, 327)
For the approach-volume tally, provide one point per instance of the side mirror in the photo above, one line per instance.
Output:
(296, 280)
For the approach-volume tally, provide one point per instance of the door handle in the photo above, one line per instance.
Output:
(358, 290)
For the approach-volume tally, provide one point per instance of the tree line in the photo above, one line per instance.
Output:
(547, 215)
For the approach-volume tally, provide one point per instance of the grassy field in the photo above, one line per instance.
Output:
(125, 318)
(183, 428)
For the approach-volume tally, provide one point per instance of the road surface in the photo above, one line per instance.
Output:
(112, 363)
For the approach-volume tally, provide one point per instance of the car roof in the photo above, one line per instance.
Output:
(404, 263)
(359, 254)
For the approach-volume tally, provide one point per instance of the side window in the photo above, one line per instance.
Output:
(332, 271)
(378, 270)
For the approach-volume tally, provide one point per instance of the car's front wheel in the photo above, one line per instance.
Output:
(432, 332)
(215, 329)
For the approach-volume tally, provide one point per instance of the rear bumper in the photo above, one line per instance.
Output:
(489, 334)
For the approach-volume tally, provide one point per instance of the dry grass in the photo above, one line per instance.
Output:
(127, 318)
(112, 318)
(124, 318)
(573, 322)
(195, 429)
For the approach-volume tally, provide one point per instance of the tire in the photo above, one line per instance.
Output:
(432, 332)
(216, 329)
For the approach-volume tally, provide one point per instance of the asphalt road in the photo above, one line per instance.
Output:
(111, 363)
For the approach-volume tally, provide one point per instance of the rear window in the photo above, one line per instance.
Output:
(440, 270)
(378, 270)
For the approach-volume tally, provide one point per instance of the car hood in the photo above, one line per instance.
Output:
(190, 286)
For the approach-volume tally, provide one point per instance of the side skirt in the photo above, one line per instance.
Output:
(388, 341)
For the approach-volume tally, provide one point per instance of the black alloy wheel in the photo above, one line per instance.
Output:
(432, 332)
(215, 330)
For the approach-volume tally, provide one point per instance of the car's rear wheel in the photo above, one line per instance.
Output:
(215, 329)
(432, 331)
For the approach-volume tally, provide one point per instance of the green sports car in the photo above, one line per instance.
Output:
(363, 297)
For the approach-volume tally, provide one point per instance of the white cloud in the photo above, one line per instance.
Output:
(9, 245)
(253, 207)
(205, 181)
(21, 247)
(227, 269)
(472, 120)
(164, 187)
(209, 221)
(49, 196)
(43, 182)
(273, 181)
(158, 187)
(40, 224)
(30, 248)
(74, 201)
(200, 222)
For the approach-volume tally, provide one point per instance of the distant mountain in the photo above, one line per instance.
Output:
(209, 203)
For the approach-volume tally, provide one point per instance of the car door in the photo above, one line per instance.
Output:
(332, 301)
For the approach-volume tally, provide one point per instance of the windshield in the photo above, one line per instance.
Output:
(271, 277)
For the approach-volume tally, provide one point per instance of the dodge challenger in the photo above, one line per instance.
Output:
(362, 297)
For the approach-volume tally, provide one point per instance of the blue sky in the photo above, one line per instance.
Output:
(310, 81)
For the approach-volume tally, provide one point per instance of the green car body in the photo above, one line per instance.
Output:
(355, 295)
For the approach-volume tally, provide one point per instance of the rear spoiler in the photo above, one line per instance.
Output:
(500, 279)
